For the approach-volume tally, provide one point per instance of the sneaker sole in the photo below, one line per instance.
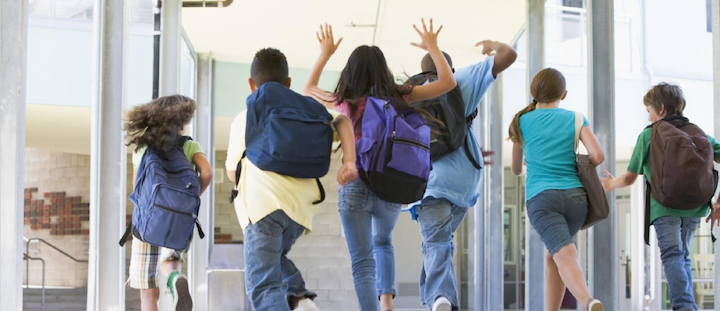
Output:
(597, 307)
(444, 307)
(184, 301)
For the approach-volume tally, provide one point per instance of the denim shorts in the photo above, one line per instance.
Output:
(557, 216)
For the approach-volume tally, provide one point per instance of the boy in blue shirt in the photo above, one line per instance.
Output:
(454, 183)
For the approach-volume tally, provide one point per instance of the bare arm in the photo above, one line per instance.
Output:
(205, 170)
(592, 145)
(505, 55)
(446, 81)
(611, 183)
(517, 159)
(327, 49)
(348, 171)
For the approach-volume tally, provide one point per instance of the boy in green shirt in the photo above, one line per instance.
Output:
(675, 228)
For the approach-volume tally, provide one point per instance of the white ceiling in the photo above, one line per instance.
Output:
(236, 32)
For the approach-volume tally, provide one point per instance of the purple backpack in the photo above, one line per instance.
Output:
(393, 155)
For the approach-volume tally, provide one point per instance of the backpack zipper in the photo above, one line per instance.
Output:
(410, 142)
(175, 211)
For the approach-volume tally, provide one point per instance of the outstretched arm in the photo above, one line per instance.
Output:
(505, 55)
(328, 46)
(446, 81)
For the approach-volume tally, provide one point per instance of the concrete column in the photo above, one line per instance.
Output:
(534, 247)
(170, 18)
(478, 300)
(13, 77)
(204, 133)
(108, 157)
(495, 195)
(715, 13)
(169, 75)
(601, 92)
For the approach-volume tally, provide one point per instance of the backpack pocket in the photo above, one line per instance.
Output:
(410, 149)
(170, 217)
(284, 145)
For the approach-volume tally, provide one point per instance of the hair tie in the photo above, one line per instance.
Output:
(534, 101)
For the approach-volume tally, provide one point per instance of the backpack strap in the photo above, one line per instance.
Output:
(322, 192)
(199, 228)
(125, 235)
(647, 212)
(468, 120)
(238, 170)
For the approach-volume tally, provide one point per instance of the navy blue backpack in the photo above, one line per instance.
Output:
(166, 198)
(288, 134)
(393, 155)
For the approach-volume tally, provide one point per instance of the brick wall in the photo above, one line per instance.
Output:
(57, 189)
(227, 227)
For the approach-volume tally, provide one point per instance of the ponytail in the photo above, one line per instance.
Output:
(514, 131)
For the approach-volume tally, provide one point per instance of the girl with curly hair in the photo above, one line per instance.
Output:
(160, 124)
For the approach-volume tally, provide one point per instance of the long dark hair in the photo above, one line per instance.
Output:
(158, 123)
(548, 85)
(367, 74)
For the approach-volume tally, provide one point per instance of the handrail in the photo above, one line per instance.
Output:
(27, 275)
(27, 247)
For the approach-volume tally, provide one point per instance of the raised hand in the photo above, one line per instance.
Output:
(428, 37)
(488, 47)
(328, 46)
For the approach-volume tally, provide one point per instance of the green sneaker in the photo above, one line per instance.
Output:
(180, 290)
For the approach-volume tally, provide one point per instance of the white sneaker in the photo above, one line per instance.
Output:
(595, 305)
(442, 304)
(306, 305)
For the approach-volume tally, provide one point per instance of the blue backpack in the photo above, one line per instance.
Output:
(393, 155)
(288, 134)
(166, 198)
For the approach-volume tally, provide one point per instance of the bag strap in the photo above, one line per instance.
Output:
(235, 192)
(238, 170)
(469, 156)
(578, 128)
(125, 235)
(322, 192)
(647, 211)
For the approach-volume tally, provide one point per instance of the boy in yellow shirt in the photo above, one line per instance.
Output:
(275, 210)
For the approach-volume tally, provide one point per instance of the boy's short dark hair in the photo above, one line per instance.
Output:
(667, 94)
(268, 65)
(427, 63)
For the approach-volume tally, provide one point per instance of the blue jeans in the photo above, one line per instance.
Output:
(438, 219)
(674, 235)
(270, 277)
(368, 223)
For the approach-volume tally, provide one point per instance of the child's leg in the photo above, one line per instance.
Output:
(263, 249)
(171, 266)
(568, 264)
(670, 235)
(554, 286)
(689, 226)
(292, 278)
(355, 214)
(385, 216)
(143, 273)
